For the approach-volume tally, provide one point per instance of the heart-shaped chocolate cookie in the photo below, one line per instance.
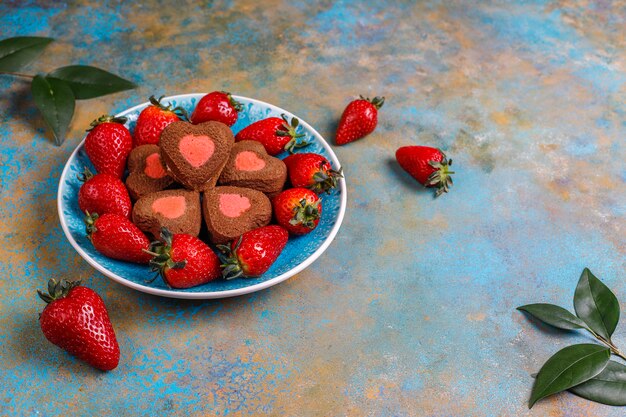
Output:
(250, 166)
(229, 212)
(195, 154)
(178, 210)
(146, 172)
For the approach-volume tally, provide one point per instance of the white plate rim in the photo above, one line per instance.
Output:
(210, 294)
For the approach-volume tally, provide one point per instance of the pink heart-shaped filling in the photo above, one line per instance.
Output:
(196, 149)
(154, 167)
(233, 205)
(170, 207)
(248, 161)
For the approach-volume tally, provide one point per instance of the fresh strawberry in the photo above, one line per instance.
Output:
(298, 210)
(108, 144)
(276, 134)
(153, 119)
(103, 193)
(117, 237)
(184, 261)
(429, 166)
(219, 106)
(77, 321)
(254, 252)
(313, 171)
(359, 119)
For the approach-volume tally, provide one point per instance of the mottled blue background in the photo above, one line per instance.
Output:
(411, 310)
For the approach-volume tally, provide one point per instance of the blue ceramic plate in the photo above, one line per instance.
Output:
(299, 253)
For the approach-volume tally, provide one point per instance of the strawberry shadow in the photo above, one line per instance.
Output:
(409, 182)
(39, 353)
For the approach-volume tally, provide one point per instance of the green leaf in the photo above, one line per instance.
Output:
(554, 316)
(608, 387)
(18, 52)
(55, 101)
(596, 305)
(89, 82)
(568, 368)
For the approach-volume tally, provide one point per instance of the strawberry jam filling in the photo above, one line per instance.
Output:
(196, 149)
(233, 205)
(248, 161)
(154, 167)
(169, 207)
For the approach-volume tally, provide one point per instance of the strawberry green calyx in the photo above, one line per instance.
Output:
(85, 176)
(326, 179)
(105, 118)
(162, 252)
(305, 214)
(236, 104)
(178, 111)
(441, 177)
(289, 129)
(90, 223)
(376, 101)
(231, 267)
(57, 289)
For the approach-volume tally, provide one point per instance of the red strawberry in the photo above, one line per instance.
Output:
(313, 171)
(429, 166)
(219, 106)
(153, 119)
(184, 261)
(77, 321)
(358, 119)
(254, 252)
(276, 134)
(117, 237)
(103, 193)
(298, 210)
(108, 144)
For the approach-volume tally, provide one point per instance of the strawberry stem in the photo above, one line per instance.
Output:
(57, 289)
(105, 118)
(85, 176)
(441, 177)
(376, 101)
(178, 111)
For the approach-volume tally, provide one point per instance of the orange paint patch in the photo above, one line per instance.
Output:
(248, 161)
(170, 207)
(196, 149)
(476, 316)
(154, 167)
(500, 118)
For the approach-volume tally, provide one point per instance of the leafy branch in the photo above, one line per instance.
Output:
(584, 369)
(55, 93)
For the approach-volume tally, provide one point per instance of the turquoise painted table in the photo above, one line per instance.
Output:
(411, 311)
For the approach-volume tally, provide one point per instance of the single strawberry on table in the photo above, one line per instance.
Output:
(254, 252)
(298, 210)
(103, 193)
(311, 170)
(184, 261)
(117, 237)
(219, 106)
(153, 119)
(277, 134)
(359, 119)
(429, 166)
(108, 144)
(76, 320)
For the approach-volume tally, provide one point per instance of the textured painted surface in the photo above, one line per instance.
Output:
(411, 312)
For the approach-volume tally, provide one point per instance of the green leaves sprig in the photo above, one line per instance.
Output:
(55, 93)
(584, 369)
